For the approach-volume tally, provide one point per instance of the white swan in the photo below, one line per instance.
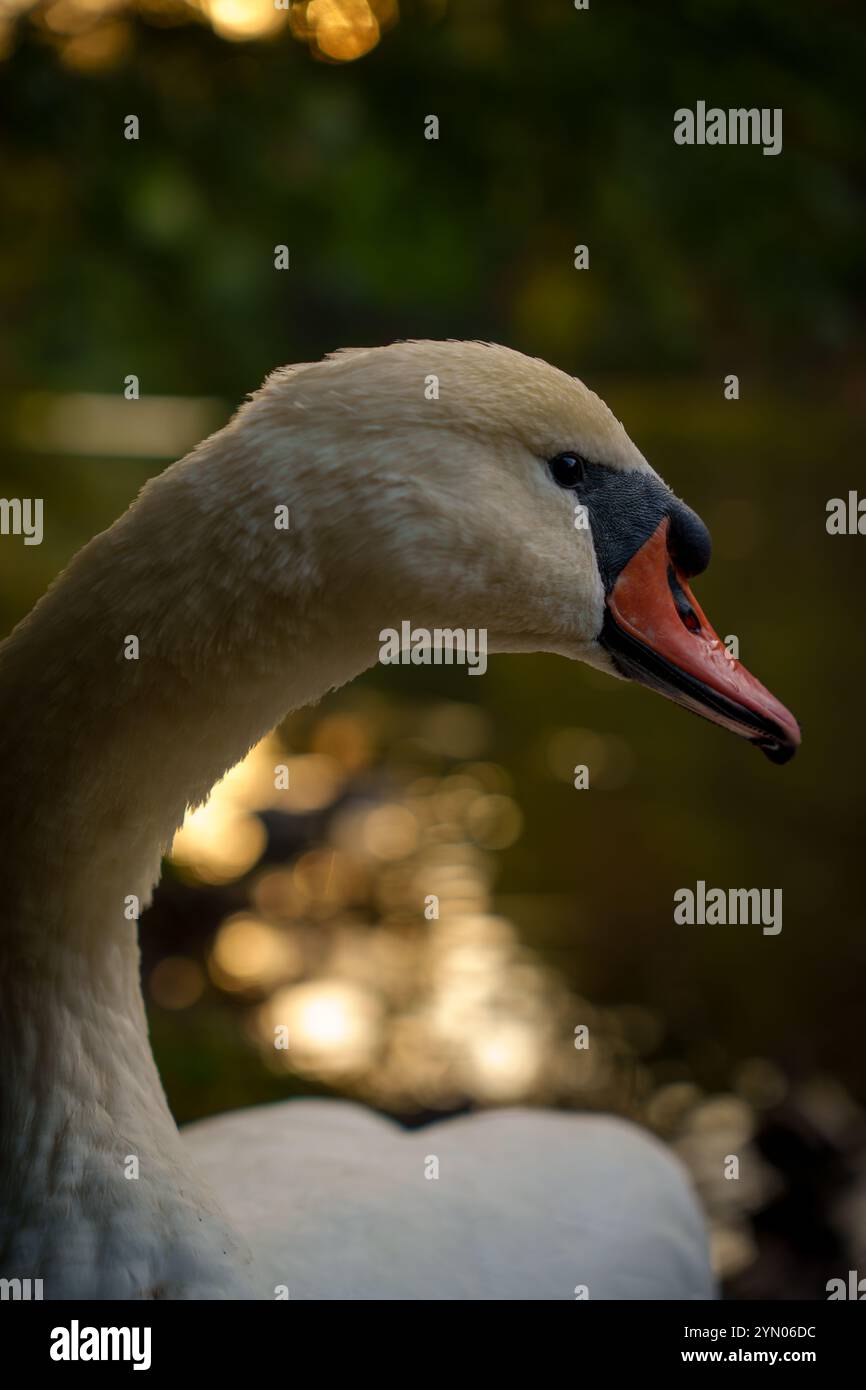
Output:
(457, 511)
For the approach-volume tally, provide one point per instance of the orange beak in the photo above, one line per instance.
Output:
(657, 634)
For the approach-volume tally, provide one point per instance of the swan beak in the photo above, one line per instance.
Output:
(656, 633)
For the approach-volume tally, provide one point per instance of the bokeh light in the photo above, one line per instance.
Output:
(176, 982)
(93, 34)
(375, 944)
(333, 1027)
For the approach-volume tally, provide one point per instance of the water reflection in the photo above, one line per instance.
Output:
(368, 950)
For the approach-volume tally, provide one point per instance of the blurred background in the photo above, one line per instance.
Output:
(304, 126)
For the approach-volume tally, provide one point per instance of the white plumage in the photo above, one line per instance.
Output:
(528, 1204)
(402, 507)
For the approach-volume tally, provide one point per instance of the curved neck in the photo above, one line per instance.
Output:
(106, 743)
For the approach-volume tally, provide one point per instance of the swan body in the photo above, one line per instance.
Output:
(527, 1204)
(443, 512)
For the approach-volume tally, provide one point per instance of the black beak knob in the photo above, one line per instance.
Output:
(689, 541)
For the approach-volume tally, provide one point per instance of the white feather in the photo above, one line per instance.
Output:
(440, 512)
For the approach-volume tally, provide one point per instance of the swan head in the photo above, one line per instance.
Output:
(464, 485)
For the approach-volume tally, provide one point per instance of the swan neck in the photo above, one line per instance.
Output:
(108, 740)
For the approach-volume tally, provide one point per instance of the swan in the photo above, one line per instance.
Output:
(509, 499)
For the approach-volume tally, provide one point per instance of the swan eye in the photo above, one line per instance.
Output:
(567, 470)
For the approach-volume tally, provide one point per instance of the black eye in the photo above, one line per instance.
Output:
(567, 470)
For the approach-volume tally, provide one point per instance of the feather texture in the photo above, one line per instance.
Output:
(437, 510)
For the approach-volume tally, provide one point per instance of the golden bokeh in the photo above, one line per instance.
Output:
(341, 30)
(219, 841)
(93, 34)
(176, 982)
(249, 953)
(243, 19)
(378, 946)
(333, 1026)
